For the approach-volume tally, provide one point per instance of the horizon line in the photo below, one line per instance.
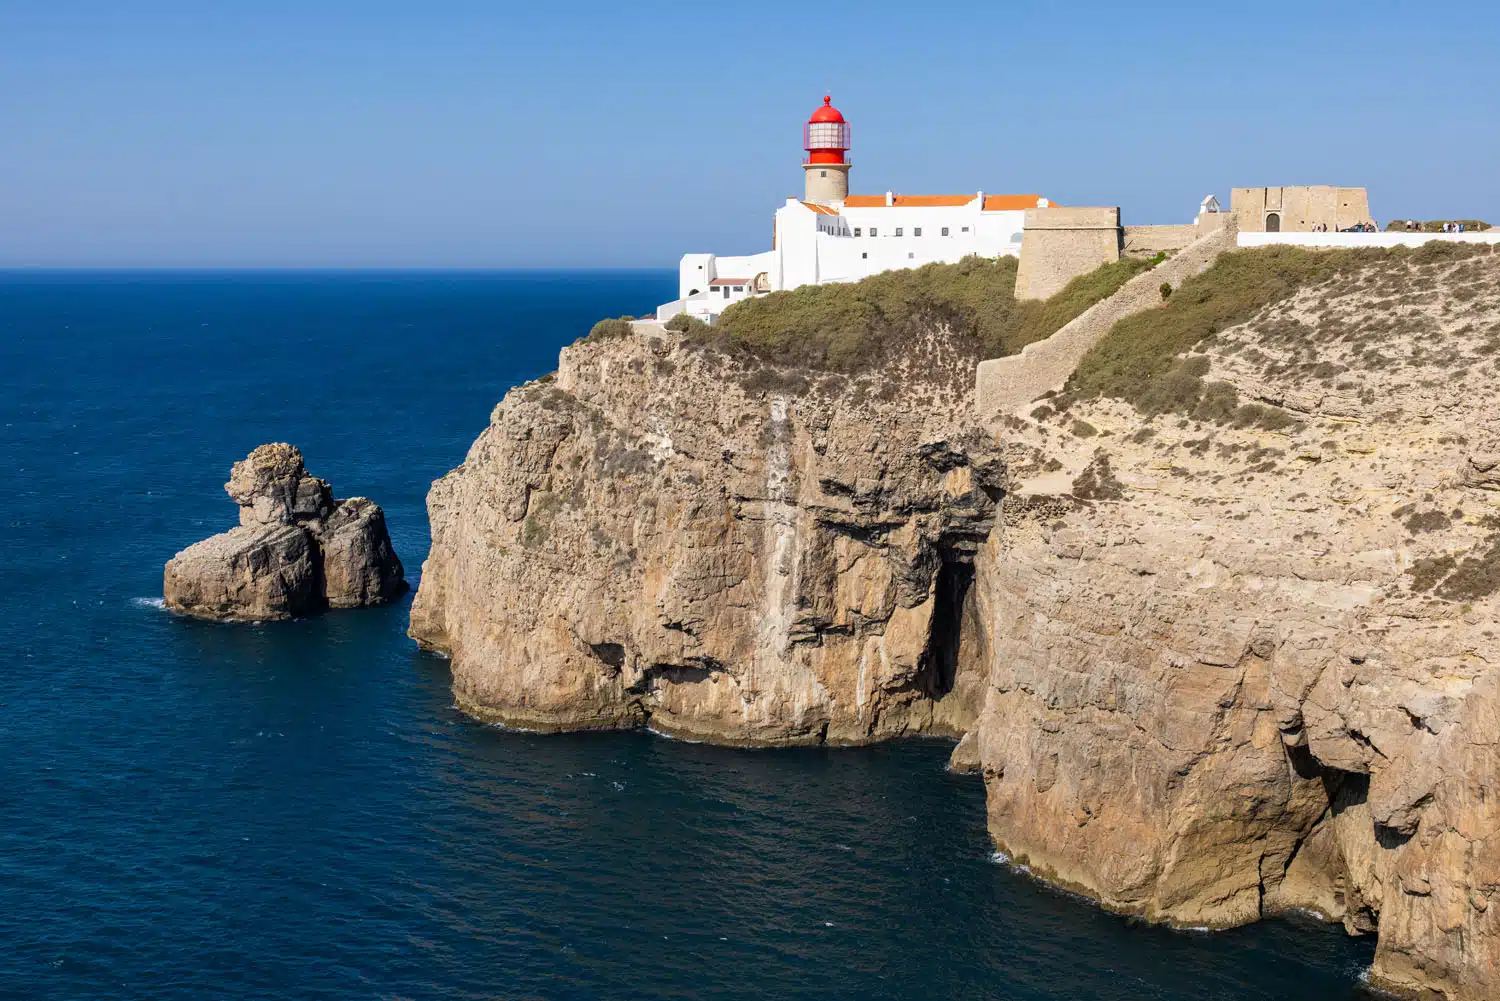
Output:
(321, 268)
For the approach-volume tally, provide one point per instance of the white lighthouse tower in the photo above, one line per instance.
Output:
(825, 137)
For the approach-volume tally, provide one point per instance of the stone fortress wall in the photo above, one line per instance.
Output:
(1299, 209)
(1059, 244)
(1169, 239)
(1005, 384)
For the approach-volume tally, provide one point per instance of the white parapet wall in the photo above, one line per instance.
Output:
(1398, 238)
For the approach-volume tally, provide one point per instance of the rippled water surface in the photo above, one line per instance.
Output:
(296, 810)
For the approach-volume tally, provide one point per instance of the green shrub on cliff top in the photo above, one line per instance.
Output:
(685, 324)
(850, 327)
(606, 330)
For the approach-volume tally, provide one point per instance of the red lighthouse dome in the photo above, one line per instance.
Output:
(826, 134)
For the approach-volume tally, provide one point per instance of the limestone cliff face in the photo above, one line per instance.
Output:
(1236, 671)
(661, 536)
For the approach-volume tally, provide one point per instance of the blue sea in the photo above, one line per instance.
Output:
(296, 810)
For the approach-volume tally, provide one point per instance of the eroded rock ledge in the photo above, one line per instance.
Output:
(296, 552)
(663, 537)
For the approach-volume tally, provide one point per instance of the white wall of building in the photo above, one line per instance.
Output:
(694, 274)
(840, 243)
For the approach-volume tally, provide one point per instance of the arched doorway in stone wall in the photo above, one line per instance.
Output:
(1273, 223)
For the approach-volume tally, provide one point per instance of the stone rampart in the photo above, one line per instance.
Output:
(1148, 241)
(1004, 384)
(1059, 244)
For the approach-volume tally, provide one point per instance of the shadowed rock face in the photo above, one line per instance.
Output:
(296, 551)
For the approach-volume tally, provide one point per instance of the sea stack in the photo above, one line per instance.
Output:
(297, 550)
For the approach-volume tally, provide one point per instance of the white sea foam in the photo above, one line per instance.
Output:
(670, 736)
(502, 726)
(157, 603)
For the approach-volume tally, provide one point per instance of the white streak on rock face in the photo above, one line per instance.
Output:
(781, 540)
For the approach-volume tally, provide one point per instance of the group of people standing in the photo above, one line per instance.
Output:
(1412, 226)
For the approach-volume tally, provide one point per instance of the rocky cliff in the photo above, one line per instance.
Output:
(662, 536)
(296, 551)
(1237, 671)
(1221, 656)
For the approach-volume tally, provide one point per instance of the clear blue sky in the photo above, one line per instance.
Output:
(490, 134)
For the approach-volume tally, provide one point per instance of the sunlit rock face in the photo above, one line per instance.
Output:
(662, 536)
(1237, 671)
(296, 551)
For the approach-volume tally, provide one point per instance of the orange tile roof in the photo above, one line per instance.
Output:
(907, 201)
(1011, 203)
(992, 203)
(821, 209)
(729, 281)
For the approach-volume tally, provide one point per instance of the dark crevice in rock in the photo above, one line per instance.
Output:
(940, 661)
(612, 654)
(672, 674)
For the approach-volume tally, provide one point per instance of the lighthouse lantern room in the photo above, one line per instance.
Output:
(825, 137)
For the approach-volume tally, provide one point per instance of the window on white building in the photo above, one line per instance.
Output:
(945, 230)
(898, 231)
(739, 288)
(856, 230)
(966, 229)
(910, 255)
(726, 291)
(917, 231)
(872, 230)
(864, 257)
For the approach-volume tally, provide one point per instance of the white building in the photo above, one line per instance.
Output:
(829, 235)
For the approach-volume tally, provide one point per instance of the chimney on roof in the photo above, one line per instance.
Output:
(980, 198)
(890, 199)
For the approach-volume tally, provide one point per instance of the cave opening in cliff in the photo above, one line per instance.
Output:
(955, 577)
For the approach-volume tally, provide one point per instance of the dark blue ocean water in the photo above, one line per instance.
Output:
(194, 811)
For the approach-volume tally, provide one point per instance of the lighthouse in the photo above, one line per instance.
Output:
(825, 137)
(829, 235)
